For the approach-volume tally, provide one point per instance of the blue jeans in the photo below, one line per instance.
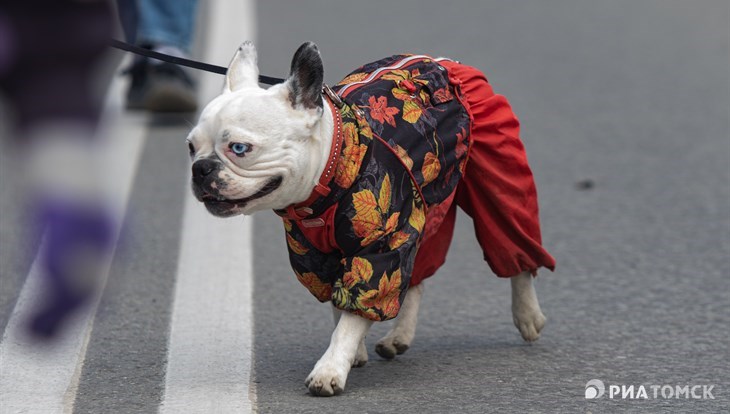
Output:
(167, 22)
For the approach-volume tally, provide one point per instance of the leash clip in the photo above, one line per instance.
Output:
(333, 96)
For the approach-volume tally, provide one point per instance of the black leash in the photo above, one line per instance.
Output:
(268, 80)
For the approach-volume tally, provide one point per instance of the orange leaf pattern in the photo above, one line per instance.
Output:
(397, 75)
(380, 111)
(311, 281)
(431, 168)
(418, 218)
(384, 199)
(355, 77)
(442, 95)
(367, 222)
(411, 112)
(403, 155)
(366, 303)
(371, 220)
(392, 222)
(389, 289)
(360, 271)
(348, 165)
(397, 239)
(295, 246)
(404, 142)
(399, 93)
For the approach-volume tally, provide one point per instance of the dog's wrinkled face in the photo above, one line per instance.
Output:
(252, 147)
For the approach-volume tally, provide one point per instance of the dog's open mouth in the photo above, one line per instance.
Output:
(219, 205)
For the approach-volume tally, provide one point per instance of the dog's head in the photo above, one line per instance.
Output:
(252, 148)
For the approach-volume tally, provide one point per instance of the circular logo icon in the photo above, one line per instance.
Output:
(594, 389)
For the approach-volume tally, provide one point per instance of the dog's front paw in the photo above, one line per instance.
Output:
(529, 320)
(326, 379)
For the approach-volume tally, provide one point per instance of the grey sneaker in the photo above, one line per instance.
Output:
(161, 87)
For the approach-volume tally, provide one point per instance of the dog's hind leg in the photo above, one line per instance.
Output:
(330, 373)
(526, 313)
(361, 358)
(399, 339)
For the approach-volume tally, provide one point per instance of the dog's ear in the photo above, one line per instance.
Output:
(306, 77)
(243, 72)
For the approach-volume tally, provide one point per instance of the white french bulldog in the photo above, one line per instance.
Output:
(256, 149)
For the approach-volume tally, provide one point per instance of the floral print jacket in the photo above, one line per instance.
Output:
(404, 141)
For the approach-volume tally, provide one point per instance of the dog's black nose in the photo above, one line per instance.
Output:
(202, 168)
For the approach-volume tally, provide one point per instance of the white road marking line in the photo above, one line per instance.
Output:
(209, 354)
(42, 378)
(211, 335)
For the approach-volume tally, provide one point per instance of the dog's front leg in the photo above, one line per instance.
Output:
(399, 339)
(526, 313)
(361, 358)
(330, 373)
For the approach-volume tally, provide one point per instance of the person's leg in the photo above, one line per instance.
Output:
(168, 23)
(165, 26)
(47, 79)
(128, 17)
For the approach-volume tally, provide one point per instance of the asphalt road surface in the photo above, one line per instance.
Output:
(625, 111)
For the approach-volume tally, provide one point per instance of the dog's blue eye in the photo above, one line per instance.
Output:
(239, 148)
